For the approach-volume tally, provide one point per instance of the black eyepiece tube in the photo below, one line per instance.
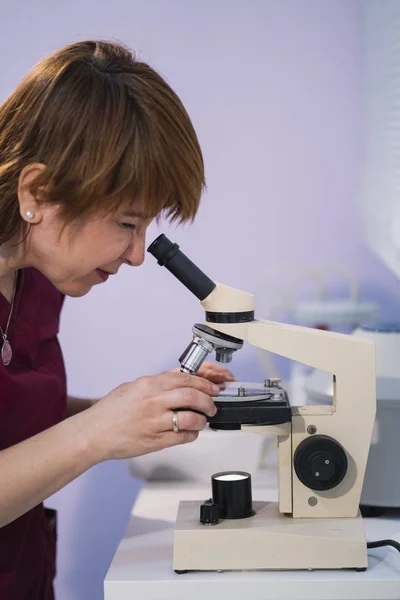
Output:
(168, 255)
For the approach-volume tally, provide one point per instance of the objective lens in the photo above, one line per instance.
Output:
(194, 356)
(223, 355)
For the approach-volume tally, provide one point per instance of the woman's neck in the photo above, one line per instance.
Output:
(12, 258)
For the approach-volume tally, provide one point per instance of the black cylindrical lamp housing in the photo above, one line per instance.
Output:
(231, 491)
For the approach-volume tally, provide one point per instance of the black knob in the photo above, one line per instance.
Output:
(320, 462)
(209, 513)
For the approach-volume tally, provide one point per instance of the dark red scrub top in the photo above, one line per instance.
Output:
(32, 398)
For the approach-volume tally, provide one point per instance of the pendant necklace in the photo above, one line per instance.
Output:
(6, 350)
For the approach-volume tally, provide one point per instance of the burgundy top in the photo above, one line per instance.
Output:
(32, 398)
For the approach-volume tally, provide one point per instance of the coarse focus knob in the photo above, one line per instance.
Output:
(209, 513)
(320, 462)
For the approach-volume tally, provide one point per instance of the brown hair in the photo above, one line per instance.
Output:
(108, 128)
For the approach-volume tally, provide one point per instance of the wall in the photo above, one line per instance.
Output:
(380, 196)
(274, 91)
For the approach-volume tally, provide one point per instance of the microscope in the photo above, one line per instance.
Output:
(322, 450)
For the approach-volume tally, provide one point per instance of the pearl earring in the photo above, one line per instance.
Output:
(29, 214)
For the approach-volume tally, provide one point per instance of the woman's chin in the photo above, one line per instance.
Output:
(75, 289)
(77, 293)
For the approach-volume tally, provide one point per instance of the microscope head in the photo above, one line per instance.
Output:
(223, 305)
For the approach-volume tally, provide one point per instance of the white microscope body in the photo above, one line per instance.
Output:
(310, 527)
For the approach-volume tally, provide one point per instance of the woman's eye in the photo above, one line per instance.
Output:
(128, 226)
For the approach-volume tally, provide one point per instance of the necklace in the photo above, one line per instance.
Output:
(6, 350)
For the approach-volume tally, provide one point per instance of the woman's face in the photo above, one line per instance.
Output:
(87, 251)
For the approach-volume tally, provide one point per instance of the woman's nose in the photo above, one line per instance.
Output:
(134, 255)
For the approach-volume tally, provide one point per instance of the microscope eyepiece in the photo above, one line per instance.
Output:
(170, 256)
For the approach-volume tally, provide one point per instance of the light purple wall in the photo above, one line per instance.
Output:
(274, 90)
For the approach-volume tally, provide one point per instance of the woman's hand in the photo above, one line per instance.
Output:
(212, 372)
(136, 418)
(215, 373)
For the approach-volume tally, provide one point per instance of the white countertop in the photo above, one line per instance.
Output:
(142, 566)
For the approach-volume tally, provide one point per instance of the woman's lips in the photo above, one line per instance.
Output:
(103, 274)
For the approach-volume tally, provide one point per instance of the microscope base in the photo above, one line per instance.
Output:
(268, 540)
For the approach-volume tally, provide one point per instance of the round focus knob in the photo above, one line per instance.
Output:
(320, 462)
(209, 513)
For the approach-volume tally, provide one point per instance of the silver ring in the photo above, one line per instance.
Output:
(175, 422)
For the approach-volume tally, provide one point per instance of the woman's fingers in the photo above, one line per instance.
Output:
(189, 398)
(171, 380)
(187, 420)
(215, 373)
(170, 438)
(218, 377)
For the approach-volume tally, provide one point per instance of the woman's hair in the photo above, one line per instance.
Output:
(108, 129)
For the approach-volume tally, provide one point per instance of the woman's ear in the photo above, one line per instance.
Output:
(30, 206)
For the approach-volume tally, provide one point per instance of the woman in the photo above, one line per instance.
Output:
(93, 146)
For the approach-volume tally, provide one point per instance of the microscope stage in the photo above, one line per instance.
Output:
(250, 404)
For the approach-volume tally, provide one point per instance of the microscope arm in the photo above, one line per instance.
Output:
(350, 420)
(354, 389)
